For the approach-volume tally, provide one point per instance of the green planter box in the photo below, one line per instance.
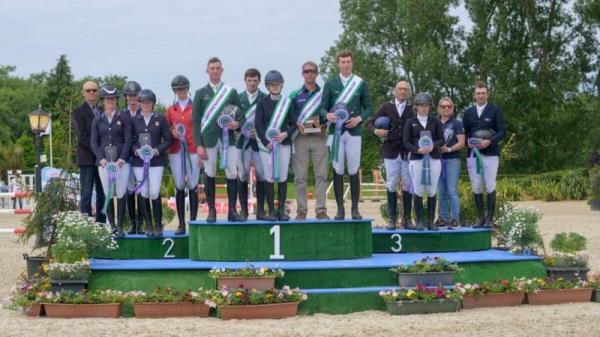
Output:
(141, 247)
(434, 279)
(420, 307)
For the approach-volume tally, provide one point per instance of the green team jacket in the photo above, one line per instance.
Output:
(211, 135)
(245, 105)
(359, 105)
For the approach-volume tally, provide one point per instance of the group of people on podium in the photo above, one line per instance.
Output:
(122, 153)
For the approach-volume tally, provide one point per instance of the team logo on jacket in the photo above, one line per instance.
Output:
(157, 124)
(119, 123)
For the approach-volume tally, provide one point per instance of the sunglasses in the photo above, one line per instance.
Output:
(309, 71)
(91, 90)
(446, 106)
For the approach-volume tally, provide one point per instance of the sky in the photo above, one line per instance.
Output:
(151, 41)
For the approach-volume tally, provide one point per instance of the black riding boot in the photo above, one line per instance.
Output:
(209, 190)
(232, 195)
(338, 189)
(121, 205)
(243, 193)
(260, 202)
(270, 196)
(418, 201)
(193, 195)
(355, 192)
(479, 208)
(180, 205)
(133, 225)
(431, 203)
(145, 202)
(157, 212)
(140, 215)
(491, 208)
(392, 204)
(110, 215)
(407, 210)
(282, 194)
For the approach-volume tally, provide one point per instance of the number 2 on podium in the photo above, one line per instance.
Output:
(275, 231)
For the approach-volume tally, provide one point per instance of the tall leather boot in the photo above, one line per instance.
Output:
(193, 195)
(392, 204)
(407, 210)
(232, 215)
(140, 216)
(431, 203)
(270, 196)
(282, 194)
(338, 189)
(157, 212)
(418, 201)
(121, 205)
(355, 192)
(260, 202)
(209, 190)
(145, 202)
(479, 208)
(491, 208)
(110, 215)
(180, 205)
(243, 193)
(133, 225)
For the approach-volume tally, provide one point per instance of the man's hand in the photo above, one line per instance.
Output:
(425, 150)
(300, 127)
(381, 133)
(201, 152)
(353, 122)
(484, 144)
(331, 117)
(281, 137)
(233, 125)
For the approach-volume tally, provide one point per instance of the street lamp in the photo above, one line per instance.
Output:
(38, 121)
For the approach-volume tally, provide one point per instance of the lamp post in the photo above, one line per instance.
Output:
(38, 121)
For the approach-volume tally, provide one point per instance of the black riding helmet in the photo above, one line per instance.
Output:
(147, 95)
(179, 82)
(107, 91)
(132, 88)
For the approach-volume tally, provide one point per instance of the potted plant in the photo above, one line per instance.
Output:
(58, 195)
(498, 293)
(238, 303)
(170, 303)
(420, 300)
(427, 271)
(77, 238)
(24, 294)
(554, 291)
(100, 303)
(247, 277)
(518, 229)
(594, 283)
(569, 261)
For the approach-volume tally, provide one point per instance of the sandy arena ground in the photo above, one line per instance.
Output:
(556, 320)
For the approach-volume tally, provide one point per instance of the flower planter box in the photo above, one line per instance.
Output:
(108, 310)
(420, 307)
(33, 264)
(277, 310)
(567, 273)
(559, 296)
(596, 296)
(36, 309)
(493, 300)
(68, 285)
(258, 283)
(170, 309)
(444, 278)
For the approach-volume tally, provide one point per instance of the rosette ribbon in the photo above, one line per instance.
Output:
(270, 135)
(223, 123)
(246, 131)
(475, 157)
(426, 142)
(146, 153)
(185, 156)
(112, 170)
(341, 116)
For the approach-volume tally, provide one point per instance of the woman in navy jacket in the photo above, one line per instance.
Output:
(152, 129)
(111, 143)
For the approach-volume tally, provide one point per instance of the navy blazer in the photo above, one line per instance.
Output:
(116, 133)
(160, 137)
(264, 110)
(394, 142)
(83, 117)
(412, 133)
(491, 118)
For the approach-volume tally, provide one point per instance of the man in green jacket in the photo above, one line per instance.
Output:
(208, 103)
(346, 93)
(248, 147)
